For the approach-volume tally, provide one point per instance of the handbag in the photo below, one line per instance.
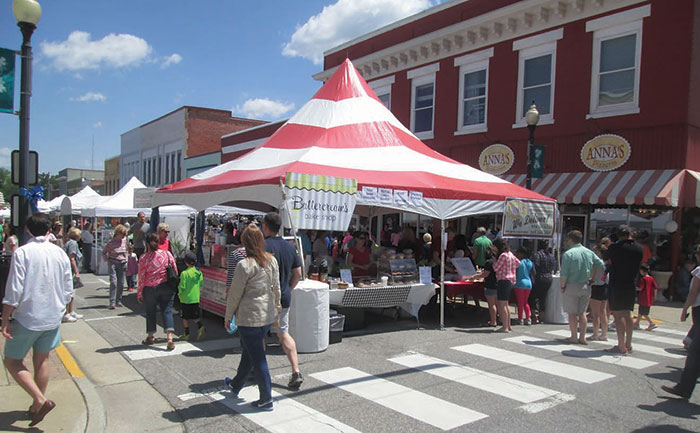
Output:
(173, 277)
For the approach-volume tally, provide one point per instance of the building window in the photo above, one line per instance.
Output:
(179, 165)
(423, 100)
(382, 88)
(617, 48)
(473, 91)
(536, 73)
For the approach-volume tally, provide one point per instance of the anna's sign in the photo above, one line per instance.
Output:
(496, 159)
(605, 152)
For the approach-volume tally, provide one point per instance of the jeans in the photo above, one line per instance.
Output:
(689, 377)
(160, 296)
(253, 356)
(696, 321)
(131, 281)
(87, 257)
(116, 281)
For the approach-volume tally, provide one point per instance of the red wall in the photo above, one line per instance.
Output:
(206, 126)
(658, 134)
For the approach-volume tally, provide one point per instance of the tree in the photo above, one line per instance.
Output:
(49, 182)
(6, 186)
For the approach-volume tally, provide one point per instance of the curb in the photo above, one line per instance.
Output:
(96, 417)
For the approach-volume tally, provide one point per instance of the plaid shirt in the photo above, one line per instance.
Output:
(506, 266)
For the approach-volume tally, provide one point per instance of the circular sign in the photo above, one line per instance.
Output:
(496, 159)
(605, 152)
(516, 209)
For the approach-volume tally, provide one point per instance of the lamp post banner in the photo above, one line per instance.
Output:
(7, 80)
(320, 202)
(528, 219)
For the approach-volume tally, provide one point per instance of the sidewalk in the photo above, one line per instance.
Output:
(94, 390)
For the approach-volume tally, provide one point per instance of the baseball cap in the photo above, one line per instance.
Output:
(190, 258)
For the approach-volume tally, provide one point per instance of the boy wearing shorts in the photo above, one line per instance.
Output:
(188, 290)
(647, 293)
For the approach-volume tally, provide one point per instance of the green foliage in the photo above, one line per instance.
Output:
(49, 182)
(6, 186)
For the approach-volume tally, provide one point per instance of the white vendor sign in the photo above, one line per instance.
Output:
(528, 219)
(320, 202)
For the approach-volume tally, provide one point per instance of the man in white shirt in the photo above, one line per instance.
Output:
(39, 287)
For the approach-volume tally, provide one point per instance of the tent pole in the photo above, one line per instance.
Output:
(443, 246)
(297, 241)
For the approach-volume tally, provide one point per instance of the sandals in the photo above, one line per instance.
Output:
(170, 346)
(149, 341)
(39, 415)
(617, 350)
(568, 340)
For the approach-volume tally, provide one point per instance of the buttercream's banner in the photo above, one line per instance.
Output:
(528, 219)
(320, 202)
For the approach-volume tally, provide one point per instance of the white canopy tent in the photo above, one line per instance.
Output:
(85, 198)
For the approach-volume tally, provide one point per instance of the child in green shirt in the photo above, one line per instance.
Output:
(188, 290)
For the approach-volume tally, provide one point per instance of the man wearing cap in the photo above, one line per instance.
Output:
(139, 230)
(188, 290)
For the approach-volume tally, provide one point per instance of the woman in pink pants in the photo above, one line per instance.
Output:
(524, 276)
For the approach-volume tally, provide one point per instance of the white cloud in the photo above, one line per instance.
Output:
(79, 52)
(263, 108)
(345, 20)
(97, 125)
(172, 59)
(5, 155)
(90, 97)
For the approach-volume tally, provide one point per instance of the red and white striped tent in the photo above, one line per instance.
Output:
(345, 131)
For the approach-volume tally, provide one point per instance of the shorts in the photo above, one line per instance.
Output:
(621, 299)
(644, 310)
(490, 292)
(503, 288)
(600, 292)
(576, 298)
(190, 311)
(24, 339)
(284, 322)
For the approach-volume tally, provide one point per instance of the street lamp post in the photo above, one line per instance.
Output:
(27, 13)
(531, 118)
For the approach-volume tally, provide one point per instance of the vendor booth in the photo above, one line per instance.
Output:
(83, 199)
(345, 133)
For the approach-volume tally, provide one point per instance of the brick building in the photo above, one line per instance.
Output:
(112, 183)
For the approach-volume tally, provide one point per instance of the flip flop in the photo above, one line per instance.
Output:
(148, 341)
(39, 415)
(616, 350)
(583, 342)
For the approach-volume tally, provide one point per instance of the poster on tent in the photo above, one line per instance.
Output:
(320, 202)
(529, 219)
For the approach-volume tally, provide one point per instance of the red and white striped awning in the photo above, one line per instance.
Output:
(625, 187)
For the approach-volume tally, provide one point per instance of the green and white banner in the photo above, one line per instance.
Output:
(320, 202)
(7, 80)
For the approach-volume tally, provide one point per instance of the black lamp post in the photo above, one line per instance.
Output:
(27, 13)
(531, 118)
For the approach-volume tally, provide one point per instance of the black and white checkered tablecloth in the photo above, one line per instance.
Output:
(376, 297)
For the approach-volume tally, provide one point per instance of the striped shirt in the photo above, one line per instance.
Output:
(234, 257)
(152, 268)
(506, 267)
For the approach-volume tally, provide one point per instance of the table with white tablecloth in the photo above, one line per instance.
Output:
(554, 312)
(408, 297)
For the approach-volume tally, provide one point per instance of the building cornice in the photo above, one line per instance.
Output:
(511, 22)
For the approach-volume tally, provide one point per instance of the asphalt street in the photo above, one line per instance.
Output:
(397, 376)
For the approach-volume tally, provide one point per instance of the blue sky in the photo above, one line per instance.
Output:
(104, 67)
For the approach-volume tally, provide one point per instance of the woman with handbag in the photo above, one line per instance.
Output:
(157, 274)
(116, 254)
(254, 298)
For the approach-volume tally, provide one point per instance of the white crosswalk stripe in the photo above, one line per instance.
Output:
(415, 404)
(555, 368)
(649, 336)
(637, 347)
(503, 386)
(581, 352)
(670, 331)
(158, 351)
(288, 415)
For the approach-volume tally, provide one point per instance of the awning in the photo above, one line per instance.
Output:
(626, 187)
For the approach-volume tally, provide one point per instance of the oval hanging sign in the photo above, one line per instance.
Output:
(606, 152)
(496, 159)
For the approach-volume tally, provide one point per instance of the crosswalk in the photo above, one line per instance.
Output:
(533, 373)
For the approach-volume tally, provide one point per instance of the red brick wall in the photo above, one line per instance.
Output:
(246, 136)
(206, 126)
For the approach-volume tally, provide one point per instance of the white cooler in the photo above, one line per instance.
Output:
(555, 304)
(308, 316)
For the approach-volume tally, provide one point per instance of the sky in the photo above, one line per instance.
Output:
(104, 67)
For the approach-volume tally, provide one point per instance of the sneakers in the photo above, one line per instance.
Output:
(296, 380)
(111, 306)
(528, 322)
(119, 304)
(184, 337)
(69, 319)
(228, 383)
(201, 333)
(265, 406)
(76, 315)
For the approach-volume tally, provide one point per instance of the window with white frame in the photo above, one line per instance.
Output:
(536, 74)
(382, 88)
(617, 48)
(473, 91)
(423, 100)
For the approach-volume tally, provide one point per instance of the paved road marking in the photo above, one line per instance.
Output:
(555, 368)
(581, 352)
(103, 281)
(500, 385)
(550, 402)
(105, 318)
(637, 347)
(669, 331)
(158, 351)
(288, 415)
(415, 404)
(649, 336)
(68, 362)
(203, 393)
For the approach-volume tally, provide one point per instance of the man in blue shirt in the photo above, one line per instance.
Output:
(290, 274)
